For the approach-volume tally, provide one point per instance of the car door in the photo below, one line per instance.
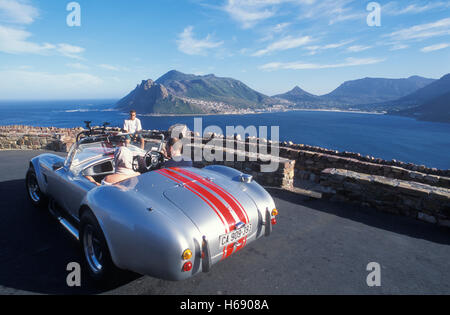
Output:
(68, 188)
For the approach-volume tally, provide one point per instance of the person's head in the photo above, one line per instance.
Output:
(133, 114)
(174, 147)
(123, 160)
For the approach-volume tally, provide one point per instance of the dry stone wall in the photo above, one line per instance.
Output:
(396, 187)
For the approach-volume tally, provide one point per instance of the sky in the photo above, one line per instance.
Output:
(58, 49)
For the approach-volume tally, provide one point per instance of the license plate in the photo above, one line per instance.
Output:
(234, 236)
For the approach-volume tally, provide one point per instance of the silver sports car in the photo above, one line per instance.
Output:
(169, 223)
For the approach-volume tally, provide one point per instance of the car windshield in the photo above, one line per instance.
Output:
(88, 152)
(91, 151)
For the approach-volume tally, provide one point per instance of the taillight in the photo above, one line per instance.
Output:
(187, 254)
(274, 221)
(274, 212)
(187, 266)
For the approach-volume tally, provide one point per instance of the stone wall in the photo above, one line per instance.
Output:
(37, 138)
(396, 187)
(311, 161)
(420, 201)
(247, 162)
(309, 166)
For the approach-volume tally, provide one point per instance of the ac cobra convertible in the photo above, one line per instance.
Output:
(166, 223)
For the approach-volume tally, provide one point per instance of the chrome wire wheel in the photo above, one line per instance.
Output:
(33, 188)
(93, 250)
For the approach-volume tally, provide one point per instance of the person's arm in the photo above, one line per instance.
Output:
(92, 180)
(139, 125)
(125, 126)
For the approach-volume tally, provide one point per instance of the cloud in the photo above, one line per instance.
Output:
(317, 48)
(285, 43)
(332, 10)
(70, 50)
(249, 13)
(349, 62)
(398, 47)
(19, 12)
(109, 67)
(358, 48)
(16, 41)
(78, 66)
(191, 46)
(392, 8)
(42, 84)
(422, 31)
(434, 47)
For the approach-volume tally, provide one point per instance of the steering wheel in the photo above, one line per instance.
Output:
(150, 161)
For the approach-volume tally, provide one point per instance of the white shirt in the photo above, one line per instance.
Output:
(132, 126)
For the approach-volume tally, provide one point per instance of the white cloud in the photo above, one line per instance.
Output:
(398, 47)
(317, 48)
(422, 31)
(332, 10)
(434, 47)
(78, 66)
(192, 46)
(358, 48)
(285, 43)
(109, 67)
(42, 84)
(70, 51)
(16, 41)
(249, 13)
(393, 8)
(15, 11)
(349, 62)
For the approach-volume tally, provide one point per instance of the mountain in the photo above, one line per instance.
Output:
(299, 97)
(374, 90)
(438, 109)
(150, 97)
(212, 88)
(426, 94)
(429, 103)
(179, 93)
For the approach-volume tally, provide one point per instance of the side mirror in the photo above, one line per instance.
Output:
(57, 166)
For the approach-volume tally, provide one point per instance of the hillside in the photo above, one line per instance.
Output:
(212, 88)
(180, 93)
(438, 109)
(299, 97)
(425, 94)
(374, 90)
(150, 97)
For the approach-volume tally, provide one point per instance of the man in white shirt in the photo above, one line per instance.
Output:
(133, 125)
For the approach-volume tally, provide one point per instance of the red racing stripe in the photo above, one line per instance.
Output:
(198, 195)
(206, 194)
(237, 207)
(230, 199)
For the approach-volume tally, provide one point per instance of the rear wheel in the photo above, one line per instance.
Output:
(95, 250)
(37, 198)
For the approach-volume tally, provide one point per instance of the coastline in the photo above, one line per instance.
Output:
(265, 112)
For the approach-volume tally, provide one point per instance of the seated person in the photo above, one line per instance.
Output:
(173, 151)
(123, 161)
(133, 125)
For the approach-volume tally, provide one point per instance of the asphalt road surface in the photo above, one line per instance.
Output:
(317, 247)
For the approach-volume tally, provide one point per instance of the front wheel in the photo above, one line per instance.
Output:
(95, 250)
(37, 198)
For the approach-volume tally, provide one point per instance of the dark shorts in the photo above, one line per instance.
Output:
(134, 137)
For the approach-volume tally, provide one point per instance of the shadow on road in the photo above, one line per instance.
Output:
(35, 250)
(371, 217)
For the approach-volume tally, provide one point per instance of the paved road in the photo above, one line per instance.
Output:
(317, 248)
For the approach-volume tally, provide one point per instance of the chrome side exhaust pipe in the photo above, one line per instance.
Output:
(69, 227)
(66, 224)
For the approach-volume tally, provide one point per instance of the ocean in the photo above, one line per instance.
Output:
(381, 136)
